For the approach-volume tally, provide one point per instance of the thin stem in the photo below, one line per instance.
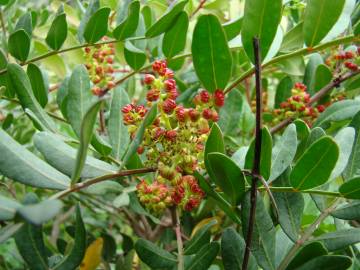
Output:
(304, 51)
(2, 21)
(256, 164)
(310, 191)
(200, 6)
(320, 94)
(307, 234)
(176, 223)
(99, 179)
(51, 53)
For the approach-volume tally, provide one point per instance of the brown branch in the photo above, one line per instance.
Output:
(177, 228)
(102, 122)
(320, 94)
(257, 155)
(200, 6)
(99, 179)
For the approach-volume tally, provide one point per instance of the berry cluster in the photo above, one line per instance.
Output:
(100, 59)
(349, 60)
(297, 106)
(174, 142)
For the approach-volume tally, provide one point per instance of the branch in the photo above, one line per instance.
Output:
(306, 235)
(320, 94)
(304, 51)
(99, 179)
(200, 6)
(257, 155)
(176, 224)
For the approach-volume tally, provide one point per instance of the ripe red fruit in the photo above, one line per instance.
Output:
(207, 114)
(140, 150)
(127, 108)
(98, 70)
(87, 49)
(169, 105)
(110, 60)
(351, 66)
(349, 55)
(149, 78)
(180, 113)
(219, 98)
(96, 90)
(169, 73)
(204, 96)
(173, 94)
(194, 114)
(159, 66)
(170, 84)
(171, 135)
(321, 108)
(110, 84)
(152, 95)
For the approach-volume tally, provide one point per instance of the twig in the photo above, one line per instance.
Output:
(176, 224)
(304, 51)
(102, 122)
(257, 155)
(306, 235)
(200, 6)
(2, 21)
(320, 94)
(99, 179)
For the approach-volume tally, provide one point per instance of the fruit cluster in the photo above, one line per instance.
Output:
(347, 59)
(100, 59)
(297, 106)
(174, 142)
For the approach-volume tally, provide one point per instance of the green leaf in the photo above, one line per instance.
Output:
(214, 143)
(137, 140)
(58, 32)
(97, 25)
(21, 165)
(175, 38)
(61, 97)
(232, 251)
(38, 85)
(86, 133)
(201, 238)
(40, 213)
(263, 241)
(30, 243)
(320, 16)
(79, 97)
(135, 57)
(351, 188)
(353, 167)
(315, 134)
(283, 152)
(340, 239)
(328, 262)
(8, 231)
(261, 19)
(233, 28)
(62, 156)
(25, 23)
(315, 166)
(221, 202)
(322, 77)
(307, 253)
(129, 25)
(315, 60)
(4, 2)
(211, 54)
(345, 140)
(22, 86)
(93, 6)
(74, 258)
(291, 207)
(101, 144)
(293, 39)
(265, 159)
(230, 114)
(204, 258)
(283, 90)
(154, 256)
(227, 175)
(118, 133)
(8, 208)
(349, 211)
(167, 20)
(19, 45)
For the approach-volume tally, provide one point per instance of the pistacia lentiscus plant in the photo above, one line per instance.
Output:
(183, 134)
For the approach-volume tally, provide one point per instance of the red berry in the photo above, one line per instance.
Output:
(169, 105)
(180, 114)
(173, 94)
(296, 98)
(170, 84)
(87, 49)
(110, 84)
(127, 108)
(349, 55)
(149, 78)
(140, 150)
(110, 60)
(321, 108)
(159, 66)
(219, 98)
(169, 73)
(171, 135)
(204, 96)
(207, 114)
(194, 114)
(152, 95)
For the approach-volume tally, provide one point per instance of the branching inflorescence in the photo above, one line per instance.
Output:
(174, 142)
